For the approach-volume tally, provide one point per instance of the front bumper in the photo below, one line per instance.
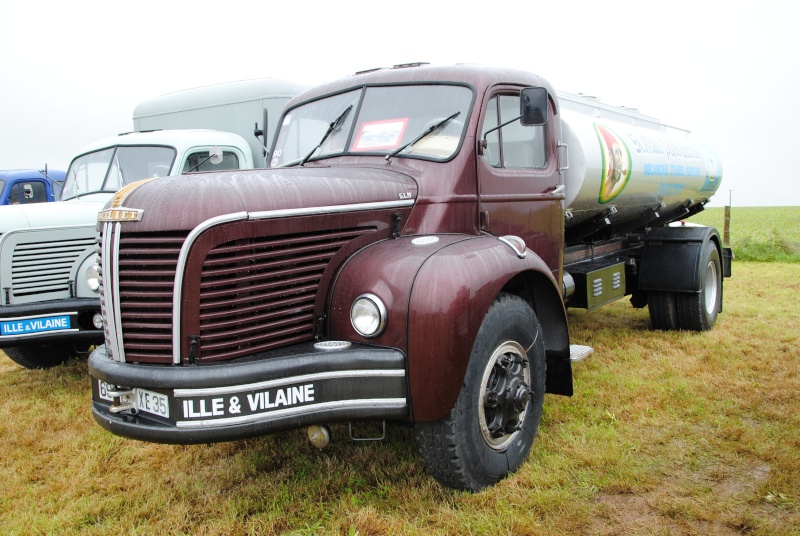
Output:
(50, 322)
(275, 391)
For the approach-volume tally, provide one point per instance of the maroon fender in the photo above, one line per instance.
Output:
(451, 295)
(437, 291)
(386, 269)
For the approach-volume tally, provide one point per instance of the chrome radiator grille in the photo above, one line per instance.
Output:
(136, 297)
(258, 294)
(255, 294)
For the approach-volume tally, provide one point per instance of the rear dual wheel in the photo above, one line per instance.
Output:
(491, 428)
(698, 311)
(693, 311)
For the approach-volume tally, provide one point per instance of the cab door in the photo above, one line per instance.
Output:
(519, 184)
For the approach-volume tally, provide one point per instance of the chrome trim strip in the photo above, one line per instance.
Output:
(39, 333)
(385, 403)
(238, 216)
(109, 294)
(181, 266)
(269, 384)
(11, 319)
(331, 209)
(108, 318)
(115, 284)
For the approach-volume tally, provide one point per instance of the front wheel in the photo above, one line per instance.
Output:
(491, 428)
(42, 357)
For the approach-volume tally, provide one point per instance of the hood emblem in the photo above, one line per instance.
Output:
(116, 212)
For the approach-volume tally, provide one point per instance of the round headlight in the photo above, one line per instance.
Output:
(93, 277)
(368, 315)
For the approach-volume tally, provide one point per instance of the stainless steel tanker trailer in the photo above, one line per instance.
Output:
(627, 177)
(409, 256)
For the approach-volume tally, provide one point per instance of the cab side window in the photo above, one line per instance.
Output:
(514, 145)
(27, 192)
(200, 161)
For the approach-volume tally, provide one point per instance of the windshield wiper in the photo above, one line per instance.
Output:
(333, 126)
(430, 129)
(77, 187)
(120, 174)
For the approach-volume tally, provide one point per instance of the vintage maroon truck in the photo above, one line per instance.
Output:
(409, 256)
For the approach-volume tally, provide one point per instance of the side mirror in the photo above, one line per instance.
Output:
(215, 155)
(533, 106)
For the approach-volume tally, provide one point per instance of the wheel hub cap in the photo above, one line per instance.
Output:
(505, 395)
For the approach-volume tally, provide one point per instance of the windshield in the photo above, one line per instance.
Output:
(382, 120)
(110, 169)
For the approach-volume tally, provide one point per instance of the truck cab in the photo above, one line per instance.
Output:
(26, 186)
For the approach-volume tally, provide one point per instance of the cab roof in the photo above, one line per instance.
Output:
(479, 77)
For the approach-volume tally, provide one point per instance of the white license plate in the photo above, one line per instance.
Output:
(151, 402)
(147, 401)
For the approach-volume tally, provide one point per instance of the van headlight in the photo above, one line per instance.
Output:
(368, 315)
(93, 277)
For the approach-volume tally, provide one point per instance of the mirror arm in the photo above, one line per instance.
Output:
(484, 143)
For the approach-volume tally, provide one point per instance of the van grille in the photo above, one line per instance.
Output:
(42, 262)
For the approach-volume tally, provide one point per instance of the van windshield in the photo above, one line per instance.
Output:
(108, 170)
(376, 121)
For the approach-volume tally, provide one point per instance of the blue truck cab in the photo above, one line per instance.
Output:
(23, 186)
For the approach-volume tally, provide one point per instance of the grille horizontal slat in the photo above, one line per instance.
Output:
(211, 308)
(289, 325)
(298, 276)
(258, 321)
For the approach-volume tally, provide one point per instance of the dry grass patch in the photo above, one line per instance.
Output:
(668, 433)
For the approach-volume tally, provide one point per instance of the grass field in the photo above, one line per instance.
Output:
(668, 433)
(770, 234)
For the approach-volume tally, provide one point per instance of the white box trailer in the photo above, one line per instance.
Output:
(241, 107)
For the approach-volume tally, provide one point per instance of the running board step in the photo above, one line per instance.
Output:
(578, 352)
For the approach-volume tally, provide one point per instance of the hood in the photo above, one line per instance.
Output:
(183, 202)
(81, 211)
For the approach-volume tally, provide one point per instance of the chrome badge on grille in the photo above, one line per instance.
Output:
(120, 214)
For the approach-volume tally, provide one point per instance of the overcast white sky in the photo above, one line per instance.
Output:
(72, 72)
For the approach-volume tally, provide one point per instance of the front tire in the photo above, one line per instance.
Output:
(42, 357)
(697, 311)
(489, 432)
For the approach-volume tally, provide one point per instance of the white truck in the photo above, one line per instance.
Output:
(49, 281)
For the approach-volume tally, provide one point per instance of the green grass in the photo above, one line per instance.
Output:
(668, 433)
(766, 234)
